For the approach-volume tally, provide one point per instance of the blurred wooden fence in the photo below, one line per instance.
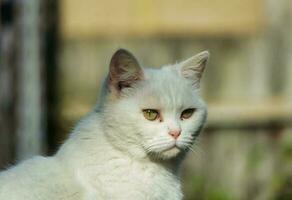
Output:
(7, 88)
(145, 18)
(22, 97)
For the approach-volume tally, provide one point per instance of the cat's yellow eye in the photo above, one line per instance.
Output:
(187, 113)
(150, 114)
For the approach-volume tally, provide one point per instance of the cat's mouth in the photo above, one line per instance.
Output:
(171, 150)
(167, 150)
(172, 146)
(177, 146)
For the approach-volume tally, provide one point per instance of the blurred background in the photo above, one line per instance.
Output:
(54, 54)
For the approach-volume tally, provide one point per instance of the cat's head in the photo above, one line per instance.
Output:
(153, 112)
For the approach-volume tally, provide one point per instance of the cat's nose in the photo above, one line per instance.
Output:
(174, 133)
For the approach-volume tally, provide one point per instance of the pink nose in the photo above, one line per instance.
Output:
(175, 133)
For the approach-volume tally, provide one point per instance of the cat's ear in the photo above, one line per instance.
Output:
(194, 67)
(124, 70)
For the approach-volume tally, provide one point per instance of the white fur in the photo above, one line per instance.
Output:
(114, 152)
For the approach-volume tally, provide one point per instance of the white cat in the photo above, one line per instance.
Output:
(130, 147)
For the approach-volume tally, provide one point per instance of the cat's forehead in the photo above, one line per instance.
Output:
(165, 89)
(166, 79)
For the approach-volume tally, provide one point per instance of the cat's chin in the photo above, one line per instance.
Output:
(171, 153)
(167, 154)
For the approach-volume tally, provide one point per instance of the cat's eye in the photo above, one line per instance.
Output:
(187, 113)
(150, 114)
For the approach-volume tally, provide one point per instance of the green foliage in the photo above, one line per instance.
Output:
(196, 189)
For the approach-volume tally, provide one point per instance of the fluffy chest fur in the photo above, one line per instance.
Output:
(129, 180)
(104, 172)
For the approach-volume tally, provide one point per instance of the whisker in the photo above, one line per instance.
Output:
(155, 144)
(157, 139)
(186, 141)
(158, 146)
(193, 151)
(198, 148)
(159, 142)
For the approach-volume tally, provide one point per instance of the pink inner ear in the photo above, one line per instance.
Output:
(124, 80)
(124, 70)
(188, 72)
(194, 67)
(123, 84)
